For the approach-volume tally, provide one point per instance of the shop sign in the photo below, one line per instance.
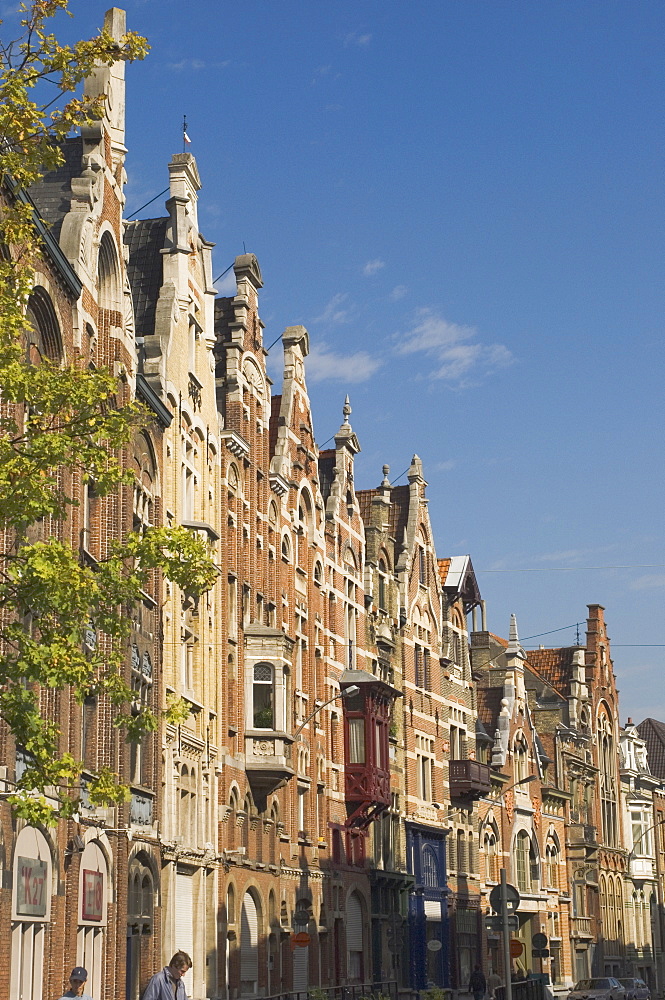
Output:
(31, 887)
(93, 895)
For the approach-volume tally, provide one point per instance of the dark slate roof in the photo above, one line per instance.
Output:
(145, 238)
(53, 194)
(653, 733)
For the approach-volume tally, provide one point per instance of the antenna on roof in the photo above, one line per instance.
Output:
(577, 630)
(186, 141)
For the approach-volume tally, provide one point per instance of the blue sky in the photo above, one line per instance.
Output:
(462, 200)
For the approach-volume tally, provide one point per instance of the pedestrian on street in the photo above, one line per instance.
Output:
(477, 983)
(77, 981)
(168, 984)
(493, 982)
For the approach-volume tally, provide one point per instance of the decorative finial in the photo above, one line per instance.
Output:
(514, 637)
(514, 648)
(346, 409)
(386, 472)
(186, 141)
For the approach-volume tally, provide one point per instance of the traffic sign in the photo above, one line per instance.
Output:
(301, 939)
(541, 953)
(539, 941)
(496, 924)
(516, 948)
(512, 898)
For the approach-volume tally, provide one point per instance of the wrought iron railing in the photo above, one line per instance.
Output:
(356, 991)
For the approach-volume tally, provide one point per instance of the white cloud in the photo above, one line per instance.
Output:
(650, 581)
(457, 360)
(324, 365)
(358, 40)
(195, 64)
(334, 311)
(445, 466)
(373, 266)
(565, 556)
(398, 292)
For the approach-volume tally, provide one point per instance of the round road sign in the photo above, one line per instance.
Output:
(516, 948)
(512, 898)
(539, 941)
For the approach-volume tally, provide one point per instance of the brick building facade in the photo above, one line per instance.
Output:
(349, 774)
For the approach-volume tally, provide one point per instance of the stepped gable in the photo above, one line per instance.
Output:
(53, 194)
(653, 733)
(145, 239)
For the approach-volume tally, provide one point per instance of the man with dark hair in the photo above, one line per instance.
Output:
(77, 981)
(168, 984)
(477, 983)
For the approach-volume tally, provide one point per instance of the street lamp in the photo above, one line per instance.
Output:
(346, 693)
(522, 781)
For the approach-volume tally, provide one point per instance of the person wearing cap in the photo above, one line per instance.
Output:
(168, 984)
(77, 981)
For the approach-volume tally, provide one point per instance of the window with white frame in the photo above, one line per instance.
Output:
(641, 832)
(263, 697)
(522, 861)
(31, 910)
(424, 767)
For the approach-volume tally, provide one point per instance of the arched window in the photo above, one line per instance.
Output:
(490, 855)
(354, 938)
(608, 779)
(140, 909)
(44, 337)
(93, 897)
(263, 697)
(552, 863)
(521, 762)
(430, 868)
(383, 586)
(522, 861)
(108, 277)
(286, 548)
(31, 912)
(249, 945)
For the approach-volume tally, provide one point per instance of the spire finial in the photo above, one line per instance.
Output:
(185, 138)
(513, 635)
(346, 409)
(386, 473)
(514, 648)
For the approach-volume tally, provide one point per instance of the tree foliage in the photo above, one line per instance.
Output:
(62, 424)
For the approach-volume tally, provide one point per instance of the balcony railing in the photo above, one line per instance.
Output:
(581, 927)
(469, 779)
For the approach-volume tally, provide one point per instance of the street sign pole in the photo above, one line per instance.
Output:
(505, 930)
